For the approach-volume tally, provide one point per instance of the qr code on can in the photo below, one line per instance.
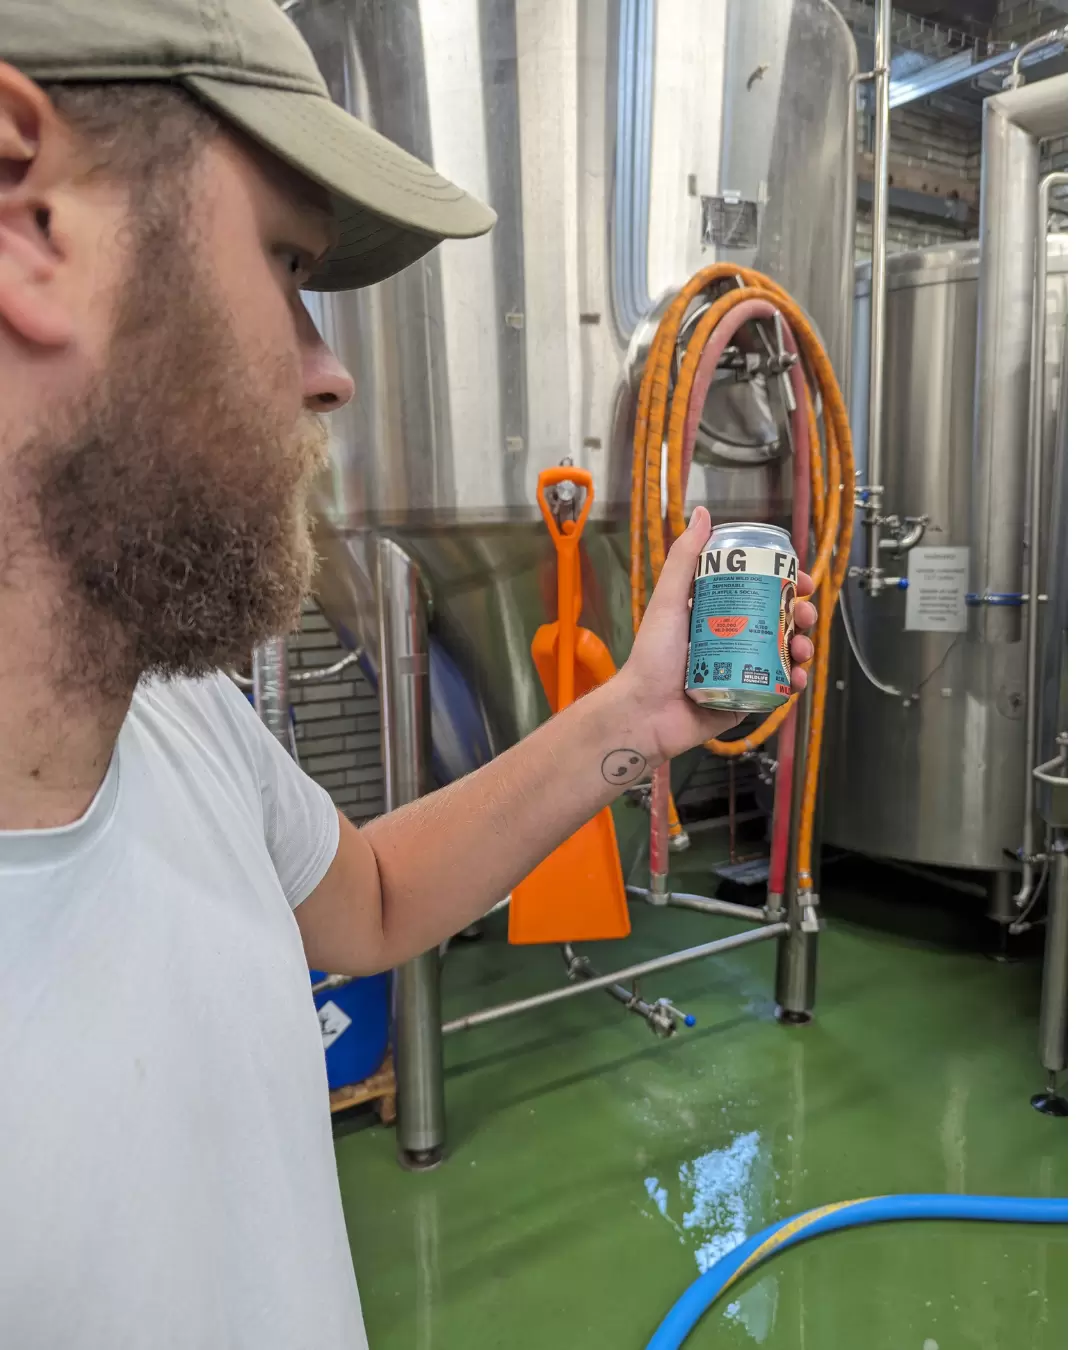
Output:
(721, 670)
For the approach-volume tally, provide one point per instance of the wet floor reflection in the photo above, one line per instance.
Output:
(719, 1200)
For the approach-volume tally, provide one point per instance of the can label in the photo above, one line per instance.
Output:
(742, 620)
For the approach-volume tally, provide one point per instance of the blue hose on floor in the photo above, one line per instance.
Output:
(707, 1288)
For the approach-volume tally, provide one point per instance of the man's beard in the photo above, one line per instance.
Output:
(172, 499)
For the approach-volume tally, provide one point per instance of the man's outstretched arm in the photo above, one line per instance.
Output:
(422, 873)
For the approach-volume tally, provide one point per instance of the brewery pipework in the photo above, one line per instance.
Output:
(870, 495)
(725, 944)
(1013, 125)
(1029, 855)
(1051, 39)
(754, 298)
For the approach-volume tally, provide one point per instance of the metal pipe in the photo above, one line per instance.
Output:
(270, 679)
(405, 730)
(661, 1016)
(1055, 36)
(907, 541)
(332, 982)
(1013, 125)
(1036, 400)
(796, 956)
(1043, 772)
(1055, 989)
(857, 651)
(683, 900)
(301, 676)
(326, 672)
(726, 944)
(726, 908)
(879, 223)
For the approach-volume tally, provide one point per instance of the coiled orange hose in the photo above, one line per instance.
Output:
(661, 420)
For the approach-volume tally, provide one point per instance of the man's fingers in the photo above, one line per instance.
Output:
(805, 584)
(802, 650)
(805, 614)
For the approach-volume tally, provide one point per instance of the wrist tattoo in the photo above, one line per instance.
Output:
(623, 767)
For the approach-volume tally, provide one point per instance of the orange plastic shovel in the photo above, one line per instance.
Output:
(577, 893)
(592, 660)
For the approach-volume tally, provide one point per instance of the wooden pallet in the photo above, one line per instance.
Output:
(381, 1087)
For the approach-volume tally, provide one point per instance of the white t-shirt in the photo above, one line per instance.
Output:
(167, 1175)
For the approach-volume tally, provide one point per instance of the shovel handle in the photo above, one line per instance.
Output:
(571, 530)
(566, 541)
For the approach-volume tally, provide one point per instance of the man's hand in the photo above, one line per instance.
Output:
(653, 680)
(416, 876)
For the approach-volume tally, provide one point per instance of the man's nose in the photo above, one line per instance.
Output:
(327, 384)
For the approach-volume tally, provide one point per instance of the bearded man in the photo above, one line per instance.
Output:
(172, 174)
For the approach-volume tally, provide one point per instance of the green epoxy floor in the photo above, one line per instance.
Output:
(595, 1170)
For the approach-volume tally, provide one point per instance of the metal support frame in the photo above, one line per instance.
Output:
(405, 729)
(704, 905)
(726, 944)
(1053, 1017)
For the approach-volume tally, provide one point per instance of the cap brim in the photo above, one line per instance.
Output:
(391, 207)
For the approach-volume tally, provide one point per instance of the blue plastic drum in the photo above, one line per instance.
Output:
(355, 1021)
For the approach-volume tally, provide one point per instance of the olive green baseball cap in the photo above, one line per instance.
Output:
(246, 59)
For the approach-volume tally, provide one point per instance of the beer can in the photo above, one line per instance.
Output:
(742, 619)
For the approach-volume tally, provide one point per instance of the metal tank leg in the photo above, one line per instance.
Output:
(796, 957)
(1001, 911)
(405, 728)
(1000, 907)
(1053, 1019)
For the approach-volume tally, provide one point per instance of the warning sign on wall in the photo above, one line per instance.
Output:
(937, 585)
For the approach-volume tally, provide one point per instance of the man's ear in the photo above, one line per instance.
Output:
(32, 144)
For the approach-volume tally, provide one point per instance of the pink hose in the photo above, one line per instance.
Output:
(719, 340)
(658, 823)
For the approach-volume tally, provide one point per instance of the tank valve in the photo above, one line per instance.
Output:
(664, 1014)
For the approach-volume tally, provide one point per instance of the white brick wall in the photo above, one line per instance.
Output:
(920, 134)
(905, 232)
(1020, 20)
(337, 722)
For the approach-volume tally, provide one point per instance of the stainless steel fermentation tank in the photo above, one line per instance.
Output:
(624, 144)
(934, 775)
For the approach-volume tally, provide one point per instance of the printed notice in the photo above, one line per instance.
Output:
(937, 585)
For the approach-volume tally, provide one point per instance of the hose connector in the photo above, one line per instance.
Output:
(659, 888)
(806, 918)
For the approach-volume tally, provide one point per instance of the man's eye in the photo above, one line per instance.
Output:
(297, 263)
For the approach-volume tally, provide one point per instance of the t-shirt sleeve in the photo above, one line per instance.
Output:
(300, 820)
